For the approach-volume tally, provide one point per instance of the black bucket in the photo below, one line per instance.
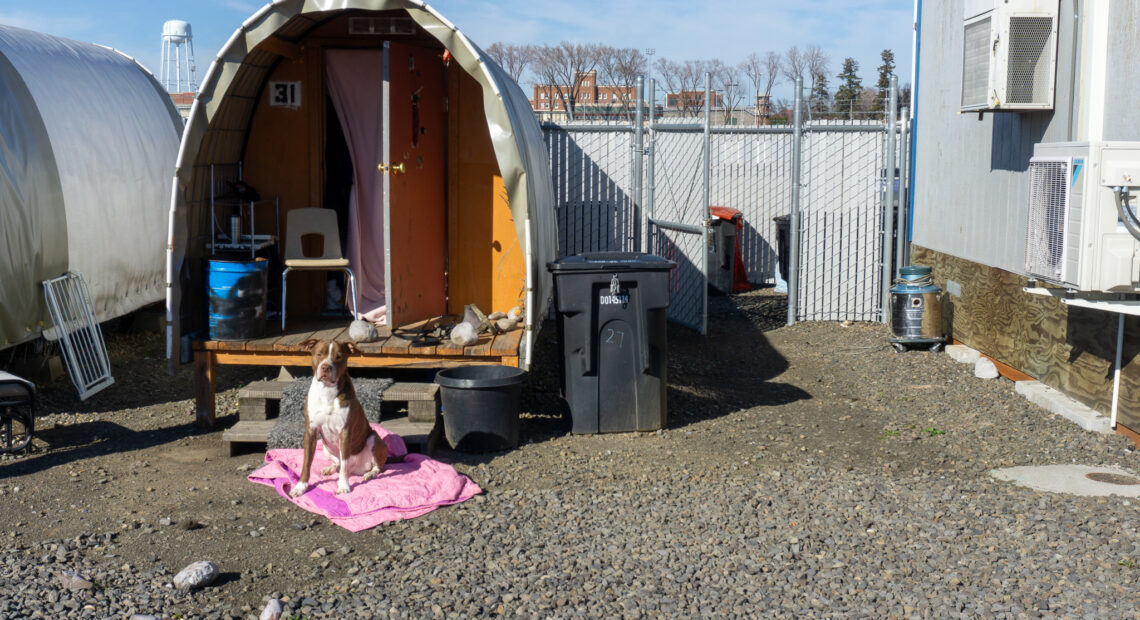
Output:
(481, 407)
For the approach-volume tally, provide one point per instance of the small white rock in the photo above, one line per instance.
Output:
(272, 611)
(363, 331)
(985, 369)
(464, 334)
(196, 575)
(506, 325)
(495, 316)
(515, 313)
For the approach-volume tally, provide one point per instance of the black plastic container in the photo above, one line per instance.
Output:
(612, 333)
(722, 256)
(481, 407)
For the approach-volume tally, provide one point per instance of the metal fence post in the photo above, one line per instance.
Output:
(889, 199)
(638, 164)
(705, 197)
(794, 216)
(650, 163)
(902, 256)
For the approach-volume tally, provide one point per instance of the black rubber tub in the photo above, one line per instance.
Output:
(481, 407)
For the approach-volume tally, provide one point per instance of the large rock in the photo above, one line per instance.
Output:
(272, 611)
(363, 331)
(197, 575)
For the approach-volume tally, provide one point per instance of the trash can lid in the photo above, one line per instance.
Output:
(912, 272)
(725, 213)
(611, 262)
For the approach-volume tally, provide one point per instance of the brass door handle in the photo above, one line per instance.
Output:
(393, 168)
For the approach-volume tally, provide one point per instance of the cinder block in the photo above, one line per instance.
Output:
(1054, 401)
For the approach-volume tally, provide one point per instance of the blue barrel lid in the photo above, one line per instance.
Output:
(610, 262)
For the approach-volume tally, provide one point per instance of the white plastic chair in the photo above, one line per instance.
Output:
(314, 221)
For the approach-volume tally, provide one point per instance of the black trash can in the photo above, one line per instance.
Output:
(612, 334)
(722, 255)
(783, 233)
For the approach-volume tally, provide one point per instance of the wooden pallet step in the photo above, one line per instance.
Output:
(421, 437)
(261, 400)
(246, 431)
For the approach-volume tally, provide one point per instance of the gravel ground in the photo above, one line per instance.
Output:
(808, 471)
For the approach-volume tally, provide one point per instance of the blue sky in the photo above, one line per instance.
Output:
(728, 29)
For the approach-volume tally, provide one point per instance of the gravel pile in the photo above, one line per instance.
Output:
(289, 432)
(808, 471)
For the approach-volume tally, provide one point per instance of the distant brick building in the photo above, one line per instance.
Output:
(182, 102)
(691, 99)
(593, 101)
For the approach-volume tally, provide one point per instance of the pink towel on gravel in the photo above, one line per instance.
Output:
(404, 490)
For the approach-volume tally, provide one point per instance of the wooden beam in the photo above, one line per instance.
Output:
(1127, 432)
(204, 406)
(276, 45)
(257, 358)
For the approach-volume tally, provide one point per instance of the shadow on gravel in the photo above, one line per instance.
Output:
(86, 440)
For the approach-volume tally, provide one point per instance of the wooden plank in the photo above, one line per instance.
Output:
(373, 348)
(204, 406)
(280, 358)
(268, 342)
(400, 341)
(292, 341)
(481, 348)
(408, 391)
(249, 430)
(508, 343)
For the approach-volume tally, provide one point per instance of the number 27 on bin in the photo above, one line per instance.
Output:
(614, 337)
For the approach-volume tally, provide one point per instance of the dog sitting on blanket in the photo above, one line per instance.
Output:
(333, 414)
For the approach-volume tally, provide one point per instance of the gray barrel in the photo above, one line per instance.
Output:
(916, 310)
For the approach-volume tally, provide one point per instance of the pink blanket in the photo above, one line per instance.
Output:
(404, 490)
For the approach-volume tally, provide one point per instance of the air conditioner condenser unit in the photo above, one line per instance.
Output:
(1009, 55)
(1076, 236)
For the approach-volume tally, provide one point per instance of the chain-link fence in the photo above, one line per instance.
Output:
(842, 195)
(592, 170)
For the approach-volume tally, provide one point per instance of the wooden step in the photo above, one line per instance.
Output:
(420, 437)
(261, 400)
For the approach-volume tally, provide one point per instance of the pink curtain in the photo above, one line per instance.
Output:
(355, 82)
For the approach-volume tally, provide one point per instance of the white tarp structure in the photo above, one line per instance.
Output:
(223, 109)
(87, 143)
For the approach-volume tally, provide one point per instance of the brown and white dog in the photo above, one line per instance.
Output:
(333, 414)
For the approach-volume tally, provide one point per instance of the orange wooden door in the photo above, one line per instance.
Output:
(415, 196)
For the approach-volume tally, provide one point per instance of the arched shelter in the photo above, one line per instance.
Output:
(87, 140)
(429, 152)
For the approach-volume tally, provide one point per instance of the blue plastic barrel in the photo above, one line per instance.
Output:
(236, 290)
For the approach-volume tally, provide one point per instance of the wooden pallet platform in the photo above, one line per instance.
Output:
(258, 406)
(419, 437)
(404, 347)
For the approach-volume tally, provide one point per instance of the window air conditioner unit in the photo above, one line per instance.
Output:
(1009, 55)
(1075, 237)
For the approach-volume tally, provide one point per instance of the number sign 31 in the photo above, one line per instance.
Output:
(285, 94)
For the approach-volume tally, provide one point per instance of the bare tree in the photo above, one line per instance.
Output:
(514, 59)
(772, 68)
(619, 67)
(730, 81)
(683, 81)
(561, 67)
(816, 63)
(753, 67)
(793, 64)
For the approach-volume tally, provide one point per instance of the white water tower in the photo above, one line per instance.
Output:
(177, 57)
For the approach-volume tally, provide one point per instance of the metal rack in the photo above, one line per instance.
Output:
(235, 238)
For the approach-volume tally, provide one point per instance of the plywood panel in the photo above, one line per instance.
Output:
(278, 156)
(486, 264)
(1070, 349)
